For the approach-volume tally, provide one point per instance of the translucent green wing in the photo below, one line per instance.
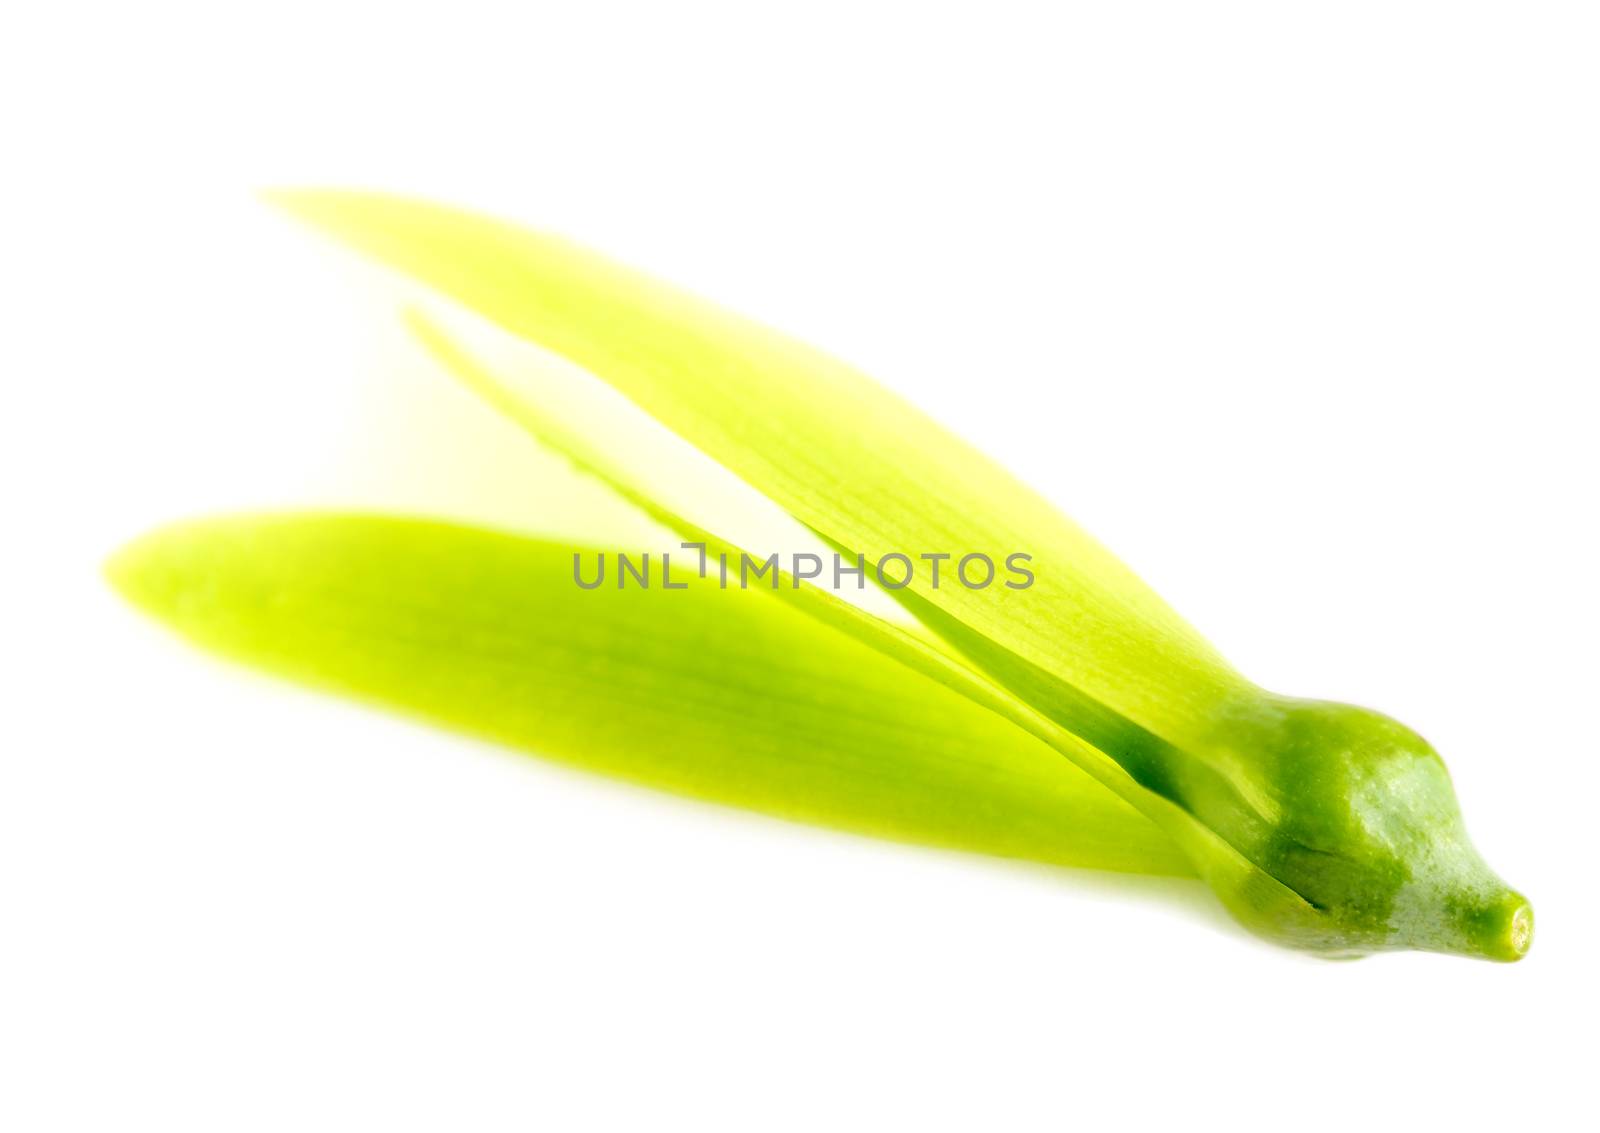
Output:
(867, 471)
(722, 695)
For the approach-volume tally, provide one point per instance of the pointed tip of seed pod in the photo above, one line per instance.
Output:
(1519, 937)
(1505, 928)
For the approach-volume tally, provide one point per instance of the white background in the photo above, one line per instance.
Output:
(1293, 305)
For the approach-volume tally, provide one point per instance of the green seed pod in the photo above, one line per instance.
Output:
(1320, 826)
(1355, 813)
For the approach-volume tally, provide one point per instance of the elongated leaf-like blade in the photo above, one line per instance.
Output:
(1124, 754)
(853, 462)
(719, 694)
(916, 651)
(1094, 730)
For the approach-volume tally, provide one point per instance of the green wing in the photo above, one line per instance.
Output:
(861, 467)
(723, 695)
